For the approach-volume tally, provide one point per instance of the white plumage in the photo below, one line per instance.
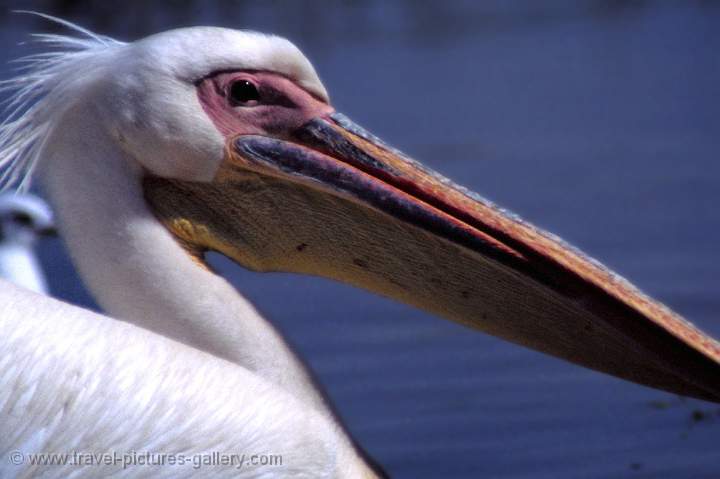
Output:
(91, 116)
(72, 380)
(23, 218)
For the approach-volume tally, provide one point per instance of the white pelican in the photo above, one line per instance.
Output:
(23, 219)
(198, 139)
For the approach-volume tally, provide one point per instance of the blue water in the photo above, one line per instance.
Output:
(598, 120)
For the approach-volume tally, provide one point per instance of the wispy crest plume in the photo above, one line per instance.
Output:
(37, 94)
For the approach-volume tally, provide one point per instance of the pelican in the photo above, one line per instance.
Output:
(200, 139)
(23, 219)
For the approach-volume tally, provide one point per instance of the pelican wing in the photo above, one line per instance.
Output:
(72, 381)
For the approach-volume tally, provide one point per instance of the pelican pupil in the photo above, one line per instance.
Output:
(243, 91)
(22, 219)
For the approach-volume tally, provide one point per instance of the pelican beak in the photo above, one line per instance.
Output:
(333, 200)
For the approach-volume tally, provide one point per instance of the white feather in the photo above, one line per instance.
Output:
(74, 381)
(36, 97)
(50, 83)
(94, 115)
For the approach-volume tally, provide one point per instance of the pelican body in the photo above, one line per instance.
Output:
(201, 139)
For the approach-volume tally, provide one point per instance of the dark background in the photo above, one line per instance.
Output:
(598, 120)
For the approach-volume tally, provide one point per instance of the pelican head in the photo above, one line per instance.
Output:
(23, 218)
(240, 151)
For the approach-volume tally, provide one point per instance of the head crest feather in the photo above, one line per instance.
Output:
(40, 88)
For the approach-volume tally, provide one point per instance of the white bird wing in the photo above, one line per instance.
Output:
(77, 383)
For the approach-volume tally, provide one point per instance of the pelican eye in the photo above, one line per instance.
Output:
(22, 219)
(243, 92)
